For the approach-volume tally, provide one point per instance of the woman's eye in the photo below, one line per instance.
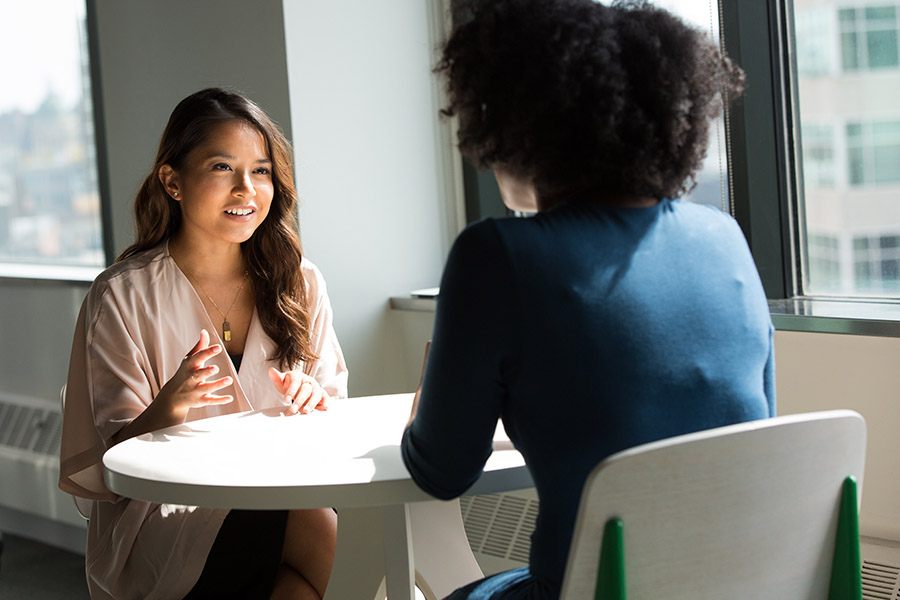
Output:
(221, 167)
(263, 171)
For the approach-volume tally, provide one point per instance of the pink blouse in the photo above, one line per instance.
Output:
(139, 319)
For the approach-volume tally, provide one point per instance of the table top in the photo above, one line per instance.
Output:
(346, 456)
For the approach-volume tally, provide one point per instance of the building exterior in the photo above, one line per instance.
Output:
(848, 82)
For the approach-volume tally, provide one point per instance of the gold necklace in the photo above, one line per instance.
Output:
(226, 326)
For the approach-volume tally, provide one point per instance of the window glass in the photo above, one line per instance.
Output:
(848, 124)
(49, 201)
(868, 36)
(713, 187)
(815, 27)
(818, 155)
(876, 264)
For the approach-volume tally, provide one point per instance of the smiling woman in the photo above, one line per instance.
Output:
(217, 244)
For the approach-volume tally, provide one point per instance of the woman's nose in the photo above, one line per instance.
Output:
(244, 187)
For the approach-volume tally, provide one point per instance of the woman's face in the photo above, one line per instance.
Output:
(225, 185)
(517, 194)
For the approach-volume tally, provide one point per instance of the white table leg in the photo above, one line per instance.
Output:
(443, 557)
(398, 553)
(359, 557)
(389, 540)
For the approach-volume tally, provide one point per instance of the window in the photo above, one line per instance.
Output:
(824, 261)
(849, 150)
(815, 55)
(873, 152)
(49, 200)
(868, 37)
(713, 186)
(818, 156)
(876, 264)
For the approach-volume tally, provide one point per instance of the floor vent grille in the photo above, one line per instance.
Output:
(881, 581)
(500, 525)
(34, 428)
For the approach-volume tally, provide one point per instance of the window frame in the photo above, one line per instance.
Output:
(81, 274)
(767, 177)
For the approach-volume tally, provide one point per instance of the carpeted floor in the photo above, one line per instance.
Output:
(30, 570)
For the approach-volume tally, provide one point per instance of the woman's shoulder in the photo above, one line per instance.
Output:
(489, 232)
(315, 281)
(699, 213)
(139, 269)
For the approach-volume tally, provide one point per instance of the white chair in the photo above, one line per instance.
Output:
(82, 504)
(748, 511)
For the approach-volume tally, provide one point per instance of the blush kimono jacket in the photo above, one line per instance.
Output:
(139, 319)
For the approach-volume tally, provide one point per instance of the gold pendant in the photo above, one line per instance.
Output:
(226, 331)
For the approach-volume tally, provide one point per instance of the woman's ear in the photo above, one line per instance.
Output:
(169, 179)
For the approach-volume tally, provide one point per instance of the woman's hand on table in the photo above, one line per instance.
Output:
(302, 392)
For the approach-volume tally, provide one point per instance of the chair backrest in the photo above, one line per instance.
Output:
(82, 504)
(747, 511)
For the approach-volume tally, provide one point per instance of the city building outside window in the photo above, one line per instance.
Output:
(873, 152)
(818, 155)
(868, 37)
(847, 120)
(49, 199)
(876, 264)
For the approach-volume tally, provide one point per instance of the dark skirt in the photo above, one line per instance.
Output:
(245, 557)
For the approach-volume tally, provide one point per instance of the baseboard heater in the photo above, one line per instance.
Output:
(29, 460)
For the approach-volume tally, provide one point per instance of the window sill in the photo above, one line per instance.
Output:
(853, 317)
(51, 273)
(413, 304)
(879, 318)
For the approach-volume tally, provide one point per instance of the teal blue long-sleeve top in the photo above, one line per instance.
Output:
(587, 329)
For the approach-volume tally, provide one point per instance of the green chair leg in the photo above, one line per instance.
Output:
(846, 568)
(611, 570)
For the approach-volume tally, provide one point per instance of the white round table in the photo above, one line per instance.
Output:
(347, 457)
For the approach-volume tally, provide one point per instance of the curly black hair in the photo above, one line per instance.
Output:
(584, 100)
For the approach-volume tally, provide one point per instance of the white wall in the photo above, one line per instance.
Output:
(373, 168)
(817, 371)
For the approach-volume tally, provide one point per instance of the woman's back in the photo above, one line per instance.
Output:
(590, 329)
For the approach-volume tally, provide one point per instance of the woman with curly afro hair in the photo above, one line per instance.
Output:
(618, 314)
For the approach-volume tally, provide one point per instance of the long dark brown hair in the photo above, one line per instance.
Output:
(273, 252)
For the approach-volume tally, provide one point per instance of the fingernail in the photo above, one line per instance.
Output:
(287, 397)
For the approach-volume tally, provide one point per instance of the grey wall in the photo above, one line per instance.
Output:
(36, 324)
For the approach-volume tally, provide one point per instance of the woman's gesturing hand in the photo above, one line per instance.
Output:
(302, 391)
(190, 386)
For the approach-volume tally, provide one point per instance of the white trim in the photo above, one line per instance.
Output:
(49, 272)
